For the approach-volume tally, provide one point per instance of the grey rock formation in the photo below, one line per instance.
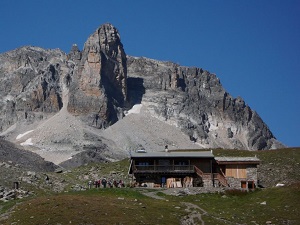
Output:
(23, 159)
(99, 90)
(92, 155)
(195, 101)
(30, 84)
(11, 194)
(59, 101)
(74, 54)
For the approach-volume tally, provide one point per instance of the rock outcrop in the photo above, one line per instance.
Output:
(24, 159)
(30, 84)
(99, 88)
(195, 101)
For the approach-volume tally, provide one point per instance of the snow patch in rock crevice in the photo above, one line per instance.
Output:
(22, 135)
(136, 109)
(27, 142)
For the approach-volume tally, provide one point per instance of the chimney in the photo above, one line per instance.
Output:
(166, 148)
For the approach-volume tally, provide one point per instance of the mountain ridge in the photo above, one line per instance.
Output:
(73, 101)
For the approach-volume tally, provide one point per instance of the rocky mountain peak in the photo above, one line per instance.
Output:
(109, 38)
(99, 90)
(55, 103)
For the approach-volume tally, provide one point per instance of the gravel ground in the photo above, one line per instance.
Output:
(138, 130)
(63, 135)
(60, 136)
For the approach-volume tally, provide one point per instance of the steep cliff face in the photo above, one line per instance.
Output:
(99, 88)
(195, 101)
(30, 84)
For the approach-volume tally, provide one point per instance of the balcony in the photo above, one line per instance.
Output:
(163, 169)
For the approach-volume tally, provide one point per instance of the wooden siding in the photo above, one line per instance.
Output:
(202, 164)
(236, 171)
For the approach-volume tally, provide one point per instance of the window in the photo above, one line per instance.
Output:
(243, 184)
(181, 162)
(251, 185)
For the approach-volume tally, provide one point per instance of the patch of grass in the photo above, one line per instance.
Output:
(236, 192)
(103, 206)
(129, 206)
(282, 206)
(5, 206)
(161, 194)
(105, 168)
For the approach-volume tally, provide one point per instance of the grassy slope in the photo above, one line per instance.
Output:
(282, 206)
(128, 206)
(102, 206)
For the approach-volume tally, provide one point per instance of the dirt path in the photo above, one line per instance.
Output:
(194, 216)
(5, 216)
(195, 212)
(153, 194)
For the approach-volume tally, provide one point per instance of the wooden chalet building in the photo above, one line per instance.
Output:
(192, 168)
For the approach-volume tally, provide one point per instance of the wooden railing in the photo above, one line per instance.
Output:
(163, 168)
(222, 179)
(198, 171)
(180, 168)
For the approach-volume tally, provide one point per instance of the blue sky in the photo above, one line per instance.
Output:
(252, 46)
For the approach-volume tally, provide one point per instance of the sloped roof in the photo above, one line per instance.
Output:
(173, 154)
(225, 160)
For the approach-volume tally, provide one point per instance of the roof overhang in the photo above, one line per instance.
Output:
(237, 160)
(199, 154)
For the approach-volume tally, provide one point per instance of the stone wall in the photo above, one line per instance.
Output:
(207, 183)
(251, 172)
(234, 182)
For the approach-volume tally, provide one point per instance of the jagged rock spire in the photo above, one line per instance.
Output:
(74, 54)
(99, 89)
